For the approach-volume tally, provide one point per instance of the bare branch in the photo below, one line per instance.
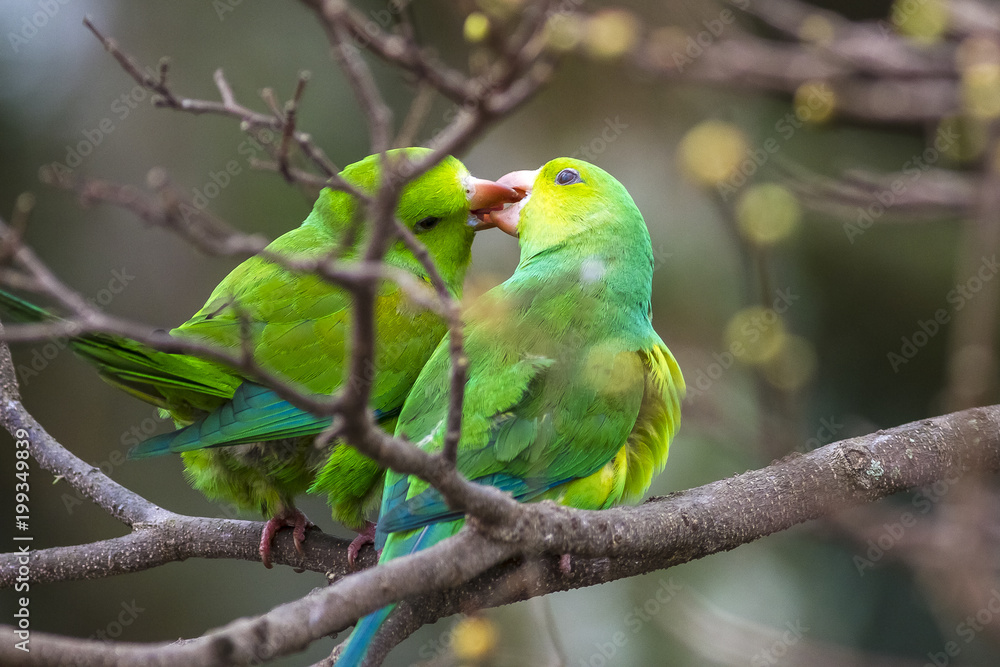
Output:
(394, 49)
(288, 131)
(378, 114)
(227, 107)
(612, 544)
(159, 536)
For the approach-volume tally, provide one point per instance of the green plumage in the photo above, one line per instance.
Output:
(571, 394)
(299, 327)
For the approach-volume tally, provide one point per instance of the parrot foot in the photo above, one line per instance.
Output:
(365, 536)
(291, 517)
(566, 564)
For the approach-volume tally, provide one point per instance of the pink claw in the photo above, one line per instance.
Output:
(366, 536)
(291, 517)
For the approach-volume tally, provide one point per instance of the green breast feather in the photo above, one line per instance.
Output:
(571, 394)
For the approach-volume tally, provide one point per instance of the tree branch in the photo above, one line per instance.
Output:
(227, 107)
(619, 543)
(159, 536)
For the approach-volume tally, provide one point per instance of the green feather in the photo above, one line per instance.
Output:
(301, 327)
(259, 455)
(571, 394)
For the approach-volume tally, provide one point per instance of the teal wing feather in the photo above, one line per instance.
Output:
(255, 414)
(529, 427)
(571, 394)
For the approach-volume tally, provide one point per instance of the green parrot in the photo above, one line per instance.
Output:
(299, 328)
(572, 396)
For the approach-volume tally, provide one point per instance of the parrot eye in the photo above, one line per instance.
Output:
(568, 176)
(430, 222)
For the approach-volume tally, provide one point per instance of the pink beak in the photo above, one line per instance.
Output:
(489, 196)
(507, 218)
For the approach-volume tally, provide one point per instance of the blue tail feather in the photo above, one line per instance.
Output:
(401, 514)
(399, 544)
(362, 636)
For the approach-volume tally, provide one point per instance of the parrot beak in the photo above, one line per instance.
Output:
(507, 218)
(485, 196)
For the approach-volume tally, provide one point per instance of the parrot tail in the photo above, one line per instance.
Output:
(254, 414)
(148, 374)
(21, 311)
(362, 636)
(398, 544)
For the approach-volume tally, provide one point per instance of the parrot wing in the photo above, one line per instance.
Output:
(547, 428)
(255, 414)
(164, 379)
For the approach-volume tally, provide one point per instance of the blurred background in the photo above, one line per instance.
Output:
(824, 234)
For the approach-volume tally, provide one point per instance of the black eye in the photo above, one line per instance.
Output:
(568, 176)
(430, 222)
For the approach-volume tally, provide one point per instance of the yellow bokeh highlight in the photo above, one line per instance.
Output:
(980, 90)
(474, 639)
(814, 101)
(767, 213)
(476, 28)
(963, 138)
(611, 33)
(923, 21)
(755, 335)
(563, 32)
(793, 366)
(817, 29)
(711, 152)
